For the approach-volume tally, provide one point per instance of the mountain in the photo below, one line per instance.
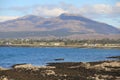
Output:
(65, 25)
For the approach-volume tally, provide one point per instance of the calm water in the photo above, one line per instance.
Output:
(41, 56)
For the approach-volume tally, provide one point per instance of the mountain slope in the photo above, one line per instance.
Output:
(90, 24)
(62, 26)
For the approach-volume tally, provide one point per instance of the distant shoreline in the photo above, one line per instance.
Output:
(104, 43)
(102, 47)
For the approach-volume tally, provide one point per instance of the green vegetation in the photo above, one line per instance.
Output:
(104, 43)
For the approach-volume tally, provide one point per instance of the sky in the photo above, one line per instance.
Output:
(106, 11)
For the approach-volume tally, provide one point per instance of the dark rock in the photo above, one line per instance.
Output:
(59, 59)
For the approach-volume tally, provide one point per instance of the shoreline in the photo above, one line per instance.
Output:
(100, 47)
(99, 70)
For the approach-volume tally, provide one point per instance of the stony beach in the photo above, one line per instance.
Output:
(102, 70)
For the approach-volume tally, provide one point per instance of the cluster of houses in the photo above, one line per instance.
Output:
(27, 42)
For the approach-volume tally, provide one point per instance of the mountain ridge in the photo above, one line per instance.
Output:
(69, 24)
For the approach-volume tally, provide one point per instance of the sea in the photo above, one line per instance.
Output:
(40, 56)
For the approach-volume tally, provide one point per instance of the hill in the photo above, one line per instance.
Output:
(65, 26)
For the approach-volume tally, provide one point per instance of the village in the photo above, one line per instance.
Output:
(105, 43)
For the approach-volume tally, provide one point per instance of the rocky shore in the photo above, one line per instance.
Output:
(102, 70)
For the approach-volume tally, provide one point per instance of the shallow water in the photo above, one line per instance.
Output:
(40, 56)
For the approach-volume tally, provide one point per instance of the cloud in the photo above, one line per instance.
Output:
(100, 12)
(118, 4)
(48, 12)
(104, 10)
(55, 10)
(96, 12)
(4, 18)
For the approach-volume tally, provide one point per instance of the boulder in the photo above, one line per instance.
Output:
(1, 68)
(48, 72)
(3, 78)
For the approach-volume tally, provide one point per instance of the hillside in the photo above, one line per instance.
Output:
(65, 25)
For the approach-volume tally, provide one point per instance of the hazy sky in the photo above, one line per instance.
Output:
(107, 11)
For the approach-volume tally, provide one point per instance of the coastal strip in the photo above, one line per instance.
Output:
(105, 43)
(102, 70)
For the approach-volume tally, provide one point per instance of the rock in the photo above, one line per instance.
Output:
(3, 78)
(26, 66)
(47, 67)
(86, 65)
(59, 59)
(117, 78)
(114, 57)
(102, 70)
(23, 66)
(106, 65)
(48, 72)
(83, 64)
(1, 68)
(31, 67)
(110, 64)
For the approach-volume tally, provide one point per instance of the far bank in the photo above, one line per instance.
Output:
(104, 43)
